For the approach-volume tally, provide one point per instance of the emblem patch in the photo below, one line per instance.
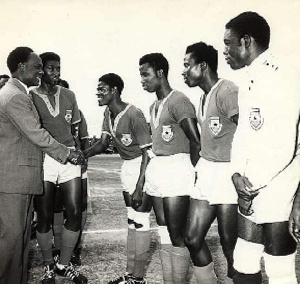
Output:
(167, 133)
(126, 139)
(256, 120)
(215, 125)
(68, 115)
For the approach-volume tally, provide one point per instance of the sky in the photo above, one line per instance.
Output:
(94, 37)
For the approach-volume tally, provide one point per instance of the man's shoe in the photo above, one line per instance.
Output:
(121, 280)
(49, 276)
(76, 257)
(70, 273)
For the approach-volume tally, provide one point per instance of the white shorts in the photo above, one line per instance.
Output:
(170, 176)
(214, 183)
(130, 172)
(274, 202)
(58, 173)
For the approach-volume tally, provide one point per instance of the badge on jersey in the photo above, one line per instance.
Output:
(126, 139)
(68, 115)
(215, 125)
(167, 133)
(256, 120)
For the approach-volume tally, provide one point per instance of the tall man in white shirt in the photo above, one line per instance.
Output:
(265, 172)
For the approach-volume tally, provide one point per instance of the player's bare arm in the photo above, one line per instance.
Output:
(75, 133)
(189, 126)
(138, 193)
(99, 147)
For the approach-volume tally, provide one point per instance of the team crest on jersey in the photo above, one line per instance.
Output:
(167, 133)
(215, 125)
(68, 115)
(256, 120)
(126, 139)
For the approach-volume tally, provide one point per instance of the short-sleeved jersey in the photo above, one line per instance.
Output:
(58, 120)
(269, 106)
(130, 131)
(167, 134)
(214, 115)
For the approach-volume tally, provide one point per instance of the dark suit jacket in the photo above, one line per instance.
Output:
(22, 141)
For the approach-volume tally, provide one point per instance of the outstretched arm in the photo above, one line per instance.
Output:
(99, 147)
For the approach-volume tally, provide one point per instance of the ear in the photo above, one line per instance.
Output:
(160, 73)
(246, 39)
(203, 65)
(22, 67)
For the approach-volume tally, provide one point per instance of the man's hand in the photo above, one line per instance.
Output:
(245, 193)
(137, 196)
(294, 223)
(76, 157)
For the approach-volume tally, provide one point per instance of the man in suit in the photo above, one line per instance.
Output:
(22, 141)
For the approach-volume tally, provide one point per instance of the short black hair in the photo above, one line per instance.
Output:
(113, 80)
(4, 76)
(157, 61)
(64, 83)
(18, 55)
(202, 52)
(49, 56)
(252, 24)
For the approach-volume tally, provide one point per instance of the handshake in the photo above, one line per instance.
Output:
(76, 157)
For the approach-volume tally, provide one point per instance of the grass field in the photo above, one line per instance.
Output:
(104, 250)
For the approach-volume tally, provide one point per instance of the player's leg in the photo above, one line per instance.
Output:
(44, 209)
(58, 221)
(199, 219)
(175, 210)
(280, 252)
(142, 238)
(76, 256)
(165, 251)
(227, 226)
(72, 203)
(248, 252)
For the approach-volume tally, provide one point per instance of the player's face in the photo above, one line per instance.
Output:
(149, 79)
(104, 93)
(234, 51)
(51, 72)
(192, 71)
(32, 70)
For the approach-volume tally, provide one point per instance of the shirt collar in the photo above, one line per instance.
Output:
(26, 88)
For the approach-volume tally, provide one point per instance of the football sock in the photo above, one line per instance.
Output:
(205, 274)
(142, 245)
(45, 242)
(69, 240)
(180, 264)
(58, 222)
(166, 262)
(130, 250)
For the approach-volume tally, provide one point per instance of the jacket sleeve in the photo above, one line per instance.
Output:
(23, 115)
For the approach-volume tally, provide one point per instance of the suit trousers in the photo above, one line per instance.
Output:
(15, 225)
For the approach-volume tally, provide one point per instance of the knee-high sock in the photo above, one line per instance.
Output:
(130, 250)
(166, 262)
(205, 274)
(69, 240)
(281, 269)
(58, 222)
(180, 264)
(45, 242)
(142, 248)
(83, 221)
